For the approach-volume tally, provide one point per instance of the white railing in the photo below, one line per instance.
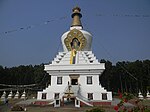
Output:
(83, 99)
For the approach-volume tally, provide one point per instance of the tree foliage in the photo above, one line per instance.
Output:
(24, 75)
(125, 76)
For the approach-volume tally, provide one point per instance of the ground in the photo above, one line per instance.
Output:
(33, 108)
(68, 108)
(6, 108)
(52, 109)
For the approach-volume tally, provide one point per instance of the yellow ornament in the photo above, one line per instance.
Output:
(75, 40)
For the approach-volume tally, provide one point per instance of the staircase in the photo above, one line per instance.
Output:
(72, 89)
(84, 100)
(75, 90)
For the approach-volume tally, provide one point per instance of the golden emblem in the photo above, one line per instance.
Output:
(75, 40)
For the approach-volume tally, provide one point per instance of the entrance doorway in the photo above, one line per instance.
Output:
(74, 79)
(68, 101)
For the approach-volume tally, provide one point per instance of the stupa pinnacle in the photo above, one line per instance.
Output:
(76, 17)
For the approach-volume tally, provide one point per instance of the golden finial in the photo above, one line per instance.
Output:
(76, 16)
(76, 9)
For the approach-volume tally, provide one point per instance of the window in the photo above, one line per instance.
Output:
(56, 96)
(89, 79)
(91, 61)
(104, 96)
(43, 95)
(57, 102)
(77, 102)
(59, 80)
(90, 96)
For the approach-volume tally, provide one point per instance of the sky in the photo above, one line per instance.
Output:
(30, 30)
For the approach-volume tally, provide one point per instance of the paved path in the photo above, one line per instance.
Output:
(26, 102)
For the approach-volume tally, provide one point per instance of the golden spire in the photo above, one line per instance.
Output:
(76, 17)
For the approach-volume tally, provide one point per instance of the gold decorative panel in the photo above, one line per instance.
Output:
(75, 40)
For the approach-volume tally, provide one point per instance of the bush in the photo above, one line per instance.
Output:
(96, 110)
(17, 108)
(1, 102)
(147, 110)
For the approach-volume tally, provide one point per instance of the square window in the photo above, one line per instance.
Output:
(104, 96)
(89, 79)
(44, 95)
(57, 102)
(59, 80)
(56, 96)
(90, 96)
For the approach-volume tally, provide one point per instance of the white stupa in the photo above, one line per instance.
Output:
(75, 71)
(23, 96)
(4, 95)
(148, 95)
(16, 95)
(140, 96)
(10, 95)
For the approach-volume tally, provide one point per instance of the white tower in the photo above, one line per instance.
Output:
(4, 95)
(75, 71)
(23, 96)
(17, 95)
(140, 96)
(148, 95)
(10, 95)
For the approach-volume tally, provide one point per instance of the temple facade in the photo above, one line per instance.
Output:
(75, 71)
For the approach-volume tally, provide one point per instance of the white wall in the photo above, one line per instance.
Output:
(55, 88)
(85, 88)
(83, 80)
(65, 80)
(94, 88)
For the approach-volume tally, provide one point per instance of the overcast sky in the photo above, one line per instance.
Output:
(30, 30)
